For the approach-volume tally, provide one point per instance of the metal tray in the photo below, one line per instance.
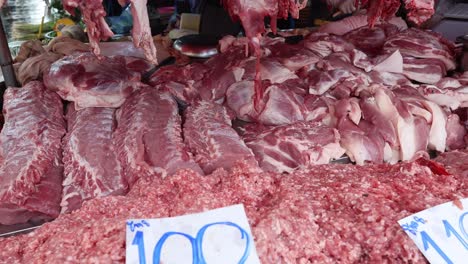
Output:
(197, 46)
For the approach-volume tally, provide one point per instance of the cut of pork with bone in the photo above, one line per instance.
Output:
(298, 145)
(149, 136)
(91, 165)
(89, 81)
(31, 167)
(209, 135)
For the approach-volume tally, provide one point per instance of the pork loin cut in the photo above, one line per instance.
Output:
(30, 154)
(298, 145)
(149, 136)
(210, 137)
(91, 165)
(89, 81)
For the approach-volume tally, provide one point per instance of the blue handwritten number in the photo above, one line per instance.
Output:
(462, 225)
(426, 239)
(197, 250)
(244, 235)
(157, 249)
(450, 230)
(138, 240)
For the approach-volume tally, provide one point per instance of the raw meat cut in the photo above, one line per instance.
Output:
(141, 31)
(418, 43)
(279, 105)
(182, 82)
(428, 71)
(252, 13)
(358, 23)
(210, 137)
(382, 9)
(89, 157)
(456, 162)
(294, 57)
(326, 214)
(89, 81)
(93, 14)
(31, 154)
(149, 136)
(324, 44)
(431, 112)
(456, 133)
(371, 40)
(451, 98)
(419, 11)
(298, 145)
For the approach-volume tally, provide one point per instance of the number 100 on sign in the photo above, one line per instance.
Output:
(218, 236)
(440, 232)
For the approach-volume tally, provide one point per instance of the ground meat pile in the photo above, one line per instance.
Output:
(326, 214)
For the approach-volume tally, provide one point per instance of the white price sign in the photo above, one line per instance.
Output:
(440, 232)
(217, 236)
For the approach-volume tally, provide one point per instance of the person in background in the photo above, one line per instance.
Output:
(113, 7)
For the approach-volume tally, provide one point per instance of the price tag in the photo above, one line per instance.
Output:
(440, 232)
(217, 236)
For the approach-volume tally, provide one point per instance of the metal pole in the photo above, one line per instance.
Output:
(5, 60)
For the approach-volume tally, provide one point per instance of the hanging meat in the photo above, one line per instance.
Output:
(93, 15)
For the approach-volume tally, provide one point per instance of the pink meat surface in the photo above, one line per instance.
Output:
(31, 168)
(371, 40)
(252, 13)
(419, 11)
(456, 162)
(326, 214)
(93, 14)
(141, 31)
(298, 145)
(418, 43)
(91, 165)
(149, 136)
(427, 70)
(210, 137)
(89, 81)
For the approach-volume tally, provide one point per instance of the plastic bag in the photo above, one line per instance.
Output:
(121, 24)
